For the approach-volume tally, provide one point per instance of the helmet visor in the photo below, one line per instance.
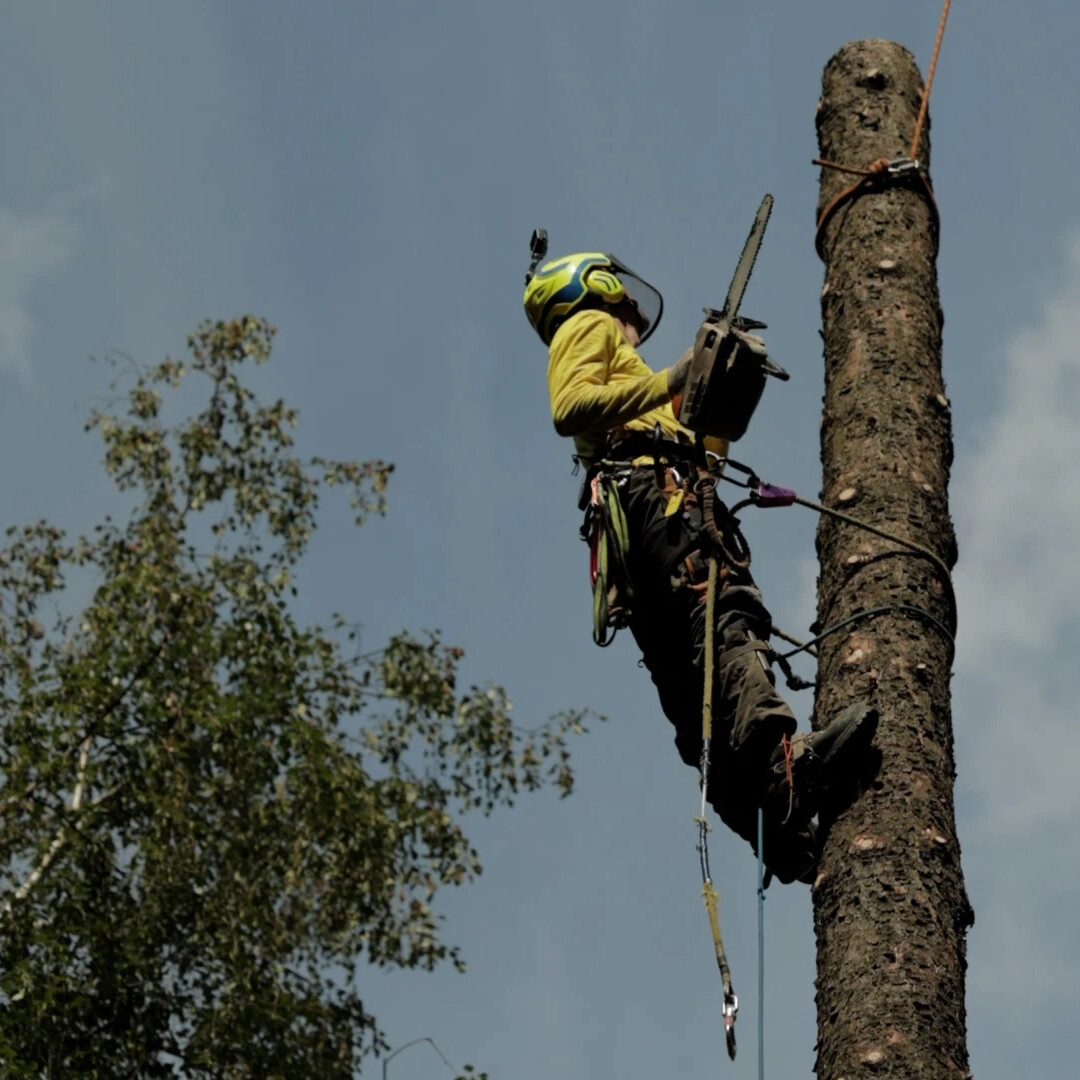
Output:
(647, 301)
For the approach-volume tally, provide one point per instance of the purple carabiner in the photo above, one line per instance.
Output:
(771, 495)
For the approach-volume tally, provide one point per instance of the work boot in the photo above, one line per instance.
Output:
(818, 760)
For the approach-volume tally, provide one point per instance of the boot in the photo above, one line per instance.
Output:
(818, 760)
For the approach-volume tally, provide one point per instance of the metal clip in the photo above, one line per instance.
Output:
(752, 478)
(902, 166)
(730, 1010)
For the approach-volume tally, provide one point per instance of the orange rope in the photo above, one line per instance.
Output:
(873, 169)
(785, 742)
(929, 80)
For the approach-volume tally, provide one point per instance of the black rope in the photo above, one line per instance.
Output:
(911, 546)
(758, 493)
(871, 613)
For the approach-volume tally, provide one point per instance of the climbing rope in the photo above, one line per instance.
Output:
(889, 172)
(730, 1007)
(929, 80)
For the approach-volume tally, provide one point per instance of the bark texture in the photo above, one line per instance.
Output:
(890, 910)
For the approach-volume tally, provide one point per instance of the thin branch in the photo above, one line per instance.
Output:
(424, 1039)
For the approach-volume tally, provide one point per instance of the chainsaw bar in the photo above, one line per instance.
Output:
(746, 261)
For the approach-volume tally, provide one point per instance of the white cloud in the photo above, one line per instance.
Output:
(1018, 580)
(32, 247)
(1017, 503)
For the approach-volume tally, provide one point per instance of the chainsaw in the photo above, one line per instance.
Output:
(728, 372)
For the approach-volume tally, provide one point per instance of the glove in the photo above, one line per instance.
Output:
(678, 373)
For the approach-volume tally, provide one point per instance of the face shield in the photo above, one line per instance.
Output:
(646, 300)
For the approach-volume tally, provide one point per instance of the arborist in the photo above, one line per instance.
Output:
(649, 492)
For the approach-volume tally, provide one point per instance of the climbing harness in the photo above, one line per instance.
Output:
(605, 527)
(885, 172)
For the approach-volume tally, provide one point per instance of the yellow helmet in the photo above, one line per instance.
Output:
(562, 287)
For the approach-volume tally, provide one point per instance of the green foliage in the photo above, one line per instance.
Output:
(210, 815)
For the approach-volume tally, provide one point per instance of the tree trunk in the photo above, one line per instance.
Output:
(890, 910)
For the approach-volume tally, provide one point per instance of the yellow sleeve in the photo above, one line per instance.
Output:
(582, 399)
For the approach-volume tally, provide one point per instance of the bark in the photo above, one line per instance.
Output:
(890, 910)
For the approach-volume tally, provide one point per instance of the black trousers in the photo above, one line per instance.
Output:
(668, 623)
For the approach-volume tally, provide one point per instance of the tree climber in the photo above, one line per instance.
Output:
(593, 312)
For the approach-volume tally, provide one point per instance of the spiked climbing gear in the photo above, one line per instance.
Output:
(727, 375)
(562, 287)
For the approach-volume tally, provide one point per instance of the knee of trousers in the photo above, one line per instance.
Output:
(741, 608)
(759, 716)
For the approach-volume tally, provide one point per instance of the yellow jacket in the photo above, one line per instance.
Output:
(597, 382)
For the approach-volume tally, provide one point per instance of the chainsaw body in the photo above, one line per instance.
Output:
(727, 377)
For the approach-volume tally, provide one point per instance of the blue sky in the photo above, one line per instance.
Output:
(367, 177)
